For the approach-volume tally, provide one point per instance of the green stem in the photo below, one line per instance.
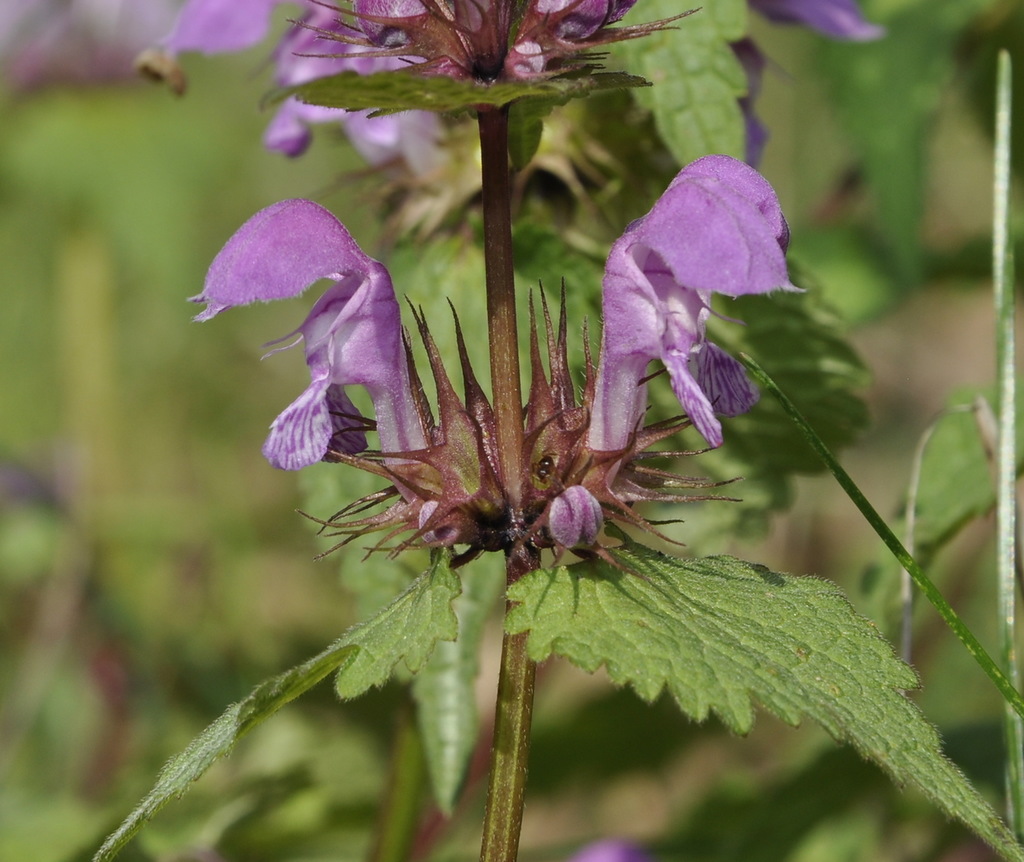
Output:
(504, 816)
(503, 332)
(894, 545)
(1006, 454)
(399, 815)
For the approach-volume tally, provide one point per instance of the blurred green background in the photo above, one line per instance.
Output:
(153, 567)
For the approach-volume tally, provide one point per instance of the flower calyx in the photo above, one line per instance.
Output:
(451, 492)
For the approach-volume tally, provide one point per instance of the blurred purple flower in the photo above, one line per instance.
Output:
(307, 52)
(753, 63)
(718, 228)
(91, 41)
(837, 19)
(352, 337)
(611, 850)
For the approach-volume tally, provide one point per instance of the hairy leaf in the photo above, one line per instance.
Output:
(406, 630)
(721, 634)
(405, 90)
(364, 657)
(445, 689)
(697, 78)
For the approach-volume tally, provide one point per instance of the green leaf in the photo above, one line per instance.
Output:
(956, 476)
(407, 629)
(801, 341)
(406, 90)
(697, 78)
(720, 634)
(445, 689)
(887, 93)
(220, 737)
(526, 127)
(542, 258)
(364, 656)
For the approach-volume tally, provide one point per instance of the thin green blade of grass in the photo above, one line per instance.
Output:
(1006, 455)
(895, 546)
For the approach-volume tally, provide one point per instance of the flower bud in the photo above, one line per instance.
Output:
(575, 517)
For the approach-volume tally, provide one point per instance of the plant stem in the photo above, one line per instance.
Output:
(399, 814)
(504, 817)
(502, 329)
(1006, 457)
(514, 709)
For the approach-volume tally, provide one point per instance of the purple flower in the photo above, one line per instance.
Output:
(576, 19)
(51, 41)
(374, 15)
(718, 228)
(305, 53)
(353, 335)
(753, 63)
(575, 517)
(839, 19)
(411, 136)
(611, 850)
(219, 26)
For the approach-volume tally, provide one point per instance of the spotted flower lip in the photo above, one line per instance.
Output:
(352, 337)
(718, 228)
(577, 19)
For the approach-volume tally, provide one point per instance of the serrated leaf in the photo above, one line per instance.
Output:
(696, 76)
(364, 657)
(405, 90)
(220, 737)
(406, 630)
(721, 634)
(445, 690)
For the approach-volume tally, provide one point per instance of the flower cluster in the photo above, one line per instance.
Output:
(717, 229)
(317, 44)
(488, 40)
(474, 40)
